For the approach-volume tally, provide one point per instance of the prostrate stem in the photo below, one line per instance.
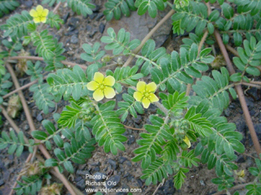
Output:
(32, 128)
(239, 93)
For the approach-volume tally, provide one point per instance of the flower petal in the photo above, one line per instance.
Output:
(33, 13)
(98, 95)
(141, 85)
(37, 20)
(109, 81)
(151, 87)
(153, 98)
(92, 85)
(45, 12)
(109, 92)
(39, 9)
(43, 19)
(138, 96)
(98, 77)
(187, 141)
(145, 102)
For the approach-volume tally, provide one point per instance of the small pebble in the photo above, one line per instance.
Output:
(26, 127)
(88, 28)
(131, 140)
(122, 159)
(81, 184)
(28, 4)
(74, 39)
(99, 16)
(113, 164)
(202, 182)
(101, 28)
(65, 17)
(97, 8)
(39, 117)
(93, 16)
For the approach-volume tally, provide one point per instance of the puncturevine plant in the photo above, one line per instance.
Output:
(187, 129)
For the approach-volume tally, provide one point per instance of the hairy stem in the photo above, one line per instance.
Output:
(41, 59)
(21, 88)
(239, 93)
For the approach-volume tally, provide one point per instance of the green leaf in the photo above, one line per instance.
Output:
(19, 150)
(152, 9)
(236, 77)
(237, 38)
(83, 7)
(213, 16)
(40, 135)
(68, 166)
(51, 162)
(179, 178)
(12, 148)
(210, 28)
(233, 93)
(7, 6)
(143, 7)
(48, 125)
(253, 71)
(227, 10)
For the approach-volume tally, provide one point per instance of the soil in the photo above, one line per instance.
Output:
(119, 168)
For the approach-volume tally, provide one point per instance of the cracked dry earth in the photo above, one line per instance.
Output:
(119, 169)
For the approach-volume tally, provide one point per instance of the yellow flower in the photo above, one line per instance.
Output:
(40, 14)
(240, 175)
(145, 93)
(102, 86)
(186, 140)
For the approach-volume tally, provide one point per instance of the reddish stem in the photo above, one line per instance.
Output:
(239, 93)
(32, 128)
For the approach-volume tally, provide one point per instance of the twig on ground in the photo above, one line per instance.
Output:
(232, 50)
(139, 129)
(251, 84)
(56, 7)
(32, 128)
(41, 59)
(240, 94)
(21, 88)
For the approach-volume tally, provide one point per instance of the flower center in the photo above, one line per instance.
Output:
(146, 94)
(102, 86)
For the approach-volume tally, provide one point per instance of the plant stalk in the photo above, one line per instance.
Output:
(239, 93)
(41, 59)
(32, 128)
